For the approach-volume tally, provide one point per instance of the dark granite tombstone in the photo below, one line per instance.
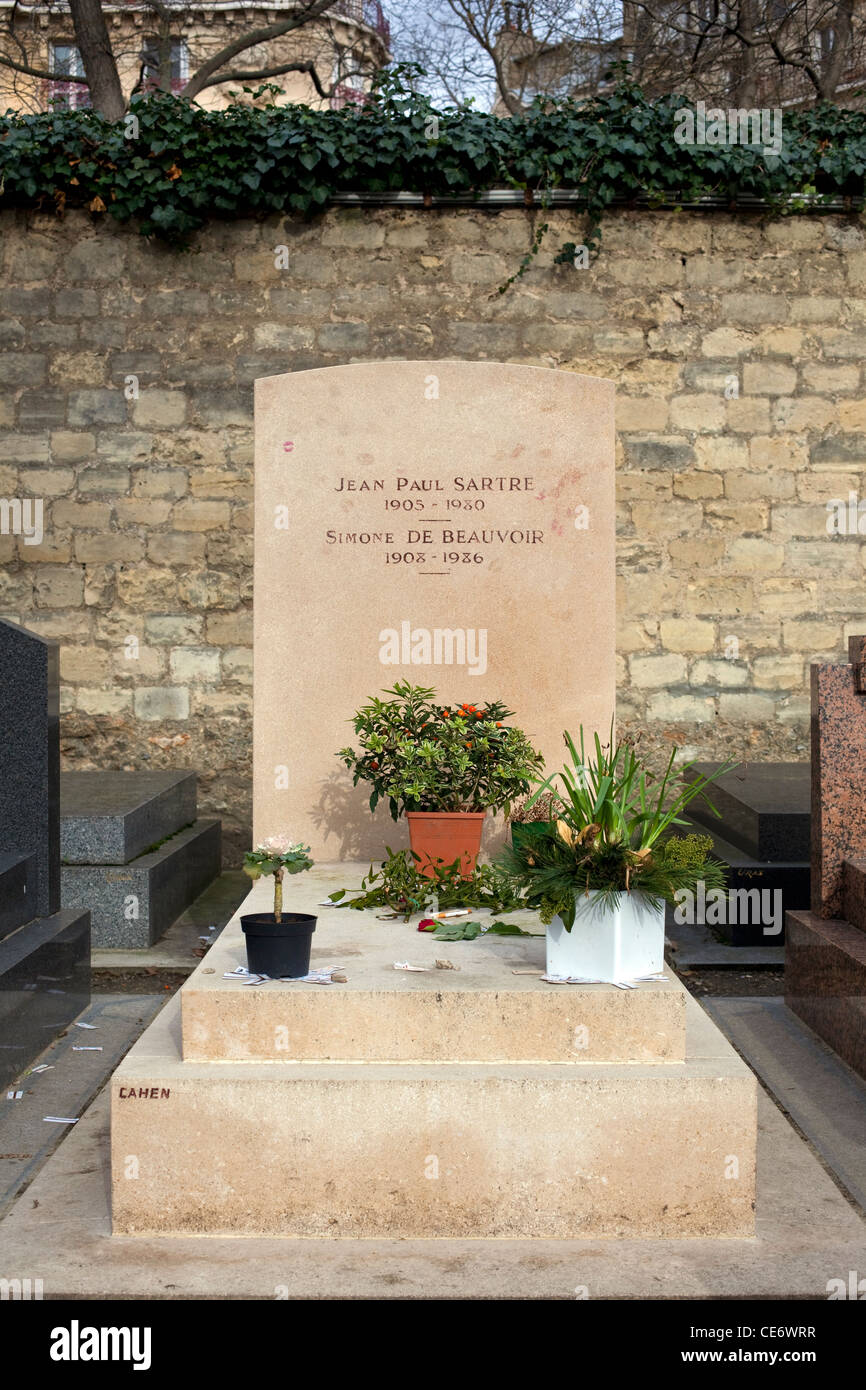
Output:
(30, 781)
(762, 835)
(825, 966)
(44, 950)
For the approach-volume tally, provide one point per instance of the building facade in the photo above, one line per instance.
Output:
(163, 47)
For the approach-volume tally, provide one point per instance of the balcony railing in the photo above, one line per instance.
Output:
(367, 12)
(346, 95)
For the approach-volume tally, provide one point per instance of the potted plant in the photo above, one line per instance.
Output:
(602, 871)
(443, 766)
(278, 943)
(527, 820)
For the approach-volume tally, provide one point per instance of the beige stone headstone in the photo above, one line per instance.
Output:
(448, 523)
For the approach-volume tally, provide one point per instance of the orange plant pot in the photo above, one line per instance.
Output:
(445, 836)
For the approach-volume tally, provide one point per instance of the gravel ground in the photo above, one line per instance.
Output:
(137, 981)
(741, 983)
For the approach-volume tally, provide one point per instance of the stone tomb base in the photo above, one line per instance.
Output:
(452, 1103)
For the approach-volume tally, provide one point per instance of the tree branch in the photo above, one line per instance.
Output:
(312, 11)
(7, 62)
(259, 74)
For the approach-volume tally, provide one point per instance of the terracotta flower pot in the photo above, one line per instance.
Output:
(445, 836)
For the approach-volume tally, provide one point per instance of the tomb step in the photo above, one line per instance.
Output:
(133, 904)
(44, 985)
(113, 817)
(16, 905)
(492, 1008)
(854, 892)
(825, 982)
(746, 873)
(765, 809)
(450, 1149)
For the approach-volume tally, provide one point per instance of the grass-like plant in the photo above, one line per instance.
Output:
(613, 832)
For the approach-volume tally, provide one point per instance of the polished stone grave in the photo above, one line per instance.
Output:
(825, 968)
(477, 1102)
(44, 949)
(30, 733)
(135, 852)
(112, 817)
(762, 834)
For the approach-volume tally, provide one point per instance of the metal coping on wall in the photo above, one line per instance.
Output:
(568, 197)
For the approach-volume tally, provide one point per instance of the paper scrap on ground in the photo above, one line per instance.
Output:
(87, 1049)
(59, 1120)
(84, 1025)
(315, 977)
(404, 965)
(592, 980)
(45, 1066)
(14, 1095)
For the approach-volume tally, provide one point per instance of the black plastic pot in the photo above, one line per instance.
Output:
(279, 949)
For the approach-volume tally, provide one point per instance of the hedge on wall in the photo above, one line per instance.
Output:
(170, 166)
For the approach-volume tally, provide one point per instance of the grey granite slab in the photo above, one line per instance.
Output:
(113, 817)
(133, 904)
(44, 985)
(30, 754)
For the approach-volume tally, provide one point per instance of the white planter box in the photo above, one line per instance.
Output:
(608, 943)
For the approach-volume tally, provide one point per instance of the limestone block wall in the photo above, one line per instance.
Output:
(126, 375)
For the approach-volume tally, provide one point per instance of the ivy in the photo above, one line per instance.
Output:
(171, 166)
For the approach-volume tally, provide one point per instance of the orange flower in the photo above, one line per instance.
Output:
(446, 714)
(469, 745)
(499, 726)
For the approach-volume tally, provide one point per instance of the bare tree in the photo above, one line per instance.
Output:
(750, 51)
(505, 52)
(222, 63)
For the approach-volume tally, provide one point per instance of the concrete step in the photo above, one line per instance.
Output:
(478, 1101)
(17, 906)
(133, 904)
(493, 1007)
(113, 817)
(44, 985)
(765, 809)
(453, 1149)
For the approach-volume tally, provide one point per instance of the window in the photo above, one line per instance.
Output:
(179, 64)
(66, 62)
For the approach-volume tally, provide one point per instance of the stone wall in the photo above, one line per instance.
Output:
(736, 346)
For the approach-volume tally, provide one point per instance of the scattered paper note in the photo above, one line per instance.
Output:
(59, 1120)
(315, 977)
(404, 965)
(44, 1066)
(87, 1049)
(84, 1025)
(14, 1095)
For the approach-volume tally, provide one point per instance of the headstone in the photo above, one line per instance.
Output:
(446, 523)
(29, 785)
(44, 949)
(825, 962)
(838, 774)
